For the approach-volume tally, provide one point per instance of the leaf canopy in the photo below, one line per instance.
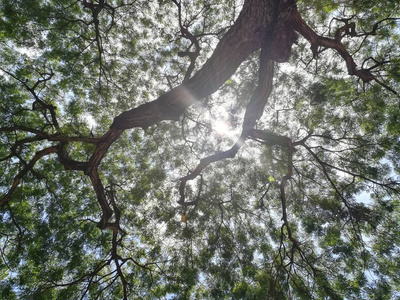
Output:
(199, 149)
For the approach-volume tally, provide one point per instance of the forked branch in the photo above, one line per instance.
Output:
(26, 169)
(317, 41)
(254, 111)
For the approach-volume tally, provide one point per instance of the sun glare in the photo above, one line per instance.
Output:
(220, 127)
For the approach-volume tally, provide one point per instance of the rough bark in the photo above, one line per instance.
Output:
(255, 22)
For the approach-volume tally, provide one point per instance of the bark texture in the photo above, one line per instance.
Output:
(255, 23)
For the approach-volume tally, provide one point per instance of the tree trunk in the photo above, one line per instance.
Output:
(255, 23)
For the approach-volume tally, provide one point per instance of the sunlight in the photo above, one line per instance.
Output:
(220, 127)
(217, 118)
(89, 120)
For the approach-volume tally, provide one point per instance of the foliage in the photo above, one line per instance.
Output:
(116, 117)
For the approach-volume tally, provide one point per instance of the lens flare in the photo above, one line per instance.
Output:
(220, 127)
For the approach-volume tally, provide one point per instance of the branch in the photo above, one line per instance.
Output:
(340, 194)
(254, 111)
(41, 135)
(255, 107)
(316, 41)
(271, 139)
(101, 198)
(69, 164)
(325, 164)
(100, 267)
(39, 104)
(115, 227)
(242, 39)
(188, 35)
(203, 164)
(25, 170)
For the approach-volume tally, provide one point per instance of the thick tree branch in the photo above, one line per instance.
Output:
(67, 162)
(101, 198)
(271, 139)
(255, 107)
(316, 41)
(242, 39)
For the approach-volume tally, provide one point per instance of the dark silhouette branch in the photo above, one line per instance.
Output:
(107, 212)
(25, 170)
(67, 162)
(317, 41)
(270, 139)
(254, 111)
(193, 39)
(41, 135)
(39, 104)
(203, 164)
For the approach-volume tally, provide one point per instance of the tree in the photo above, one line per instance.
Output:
(208, 149)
